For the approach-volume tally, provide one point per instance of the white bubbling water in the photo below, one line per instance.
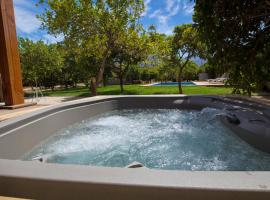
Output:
(157, 138)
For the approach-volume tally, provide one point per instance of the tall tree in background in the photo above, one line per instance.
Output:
(156, 64)
(41, 63)
(185, 44)
(130, 49)
(93, 27)
(237, 34)
(159, 48)
(73, 71)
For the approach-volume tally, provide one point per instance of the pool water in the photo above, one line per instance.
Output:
(174, 84)
(158, 138)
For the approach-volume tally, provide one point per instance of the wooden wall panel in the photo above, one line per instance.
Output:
(10, 67)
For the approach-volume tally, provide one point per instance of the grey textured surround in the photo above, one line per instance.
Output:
(31, 179)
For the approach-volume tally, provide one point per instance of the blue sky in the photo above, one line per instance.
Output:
(164, 14)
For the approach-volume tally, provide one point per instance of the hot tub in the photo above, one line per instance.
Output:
(33, 179)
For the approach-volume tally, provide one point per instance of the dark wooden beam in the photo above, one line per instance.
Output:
(10, 67)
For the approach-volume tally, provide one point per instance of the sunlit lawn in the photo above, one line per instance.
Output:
(139, 90)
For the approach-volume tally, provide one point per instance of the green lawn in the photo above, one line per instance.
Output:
(139, 90)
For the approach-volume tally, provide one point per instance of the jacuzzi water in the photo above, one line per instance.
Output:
(157, 138)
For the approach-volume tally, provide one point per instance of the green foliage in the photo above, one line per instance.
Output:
(167, 72)
(185, 44)
(148, 74)
(190, 72)
(211, 70)
(73, 71)
(41, 63)
(237, 35)
(93, 28)
(133, 73)
(158, 49)
(130, 49)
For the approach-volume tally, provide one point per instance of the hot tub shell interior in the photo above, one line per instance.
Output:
(31, 179)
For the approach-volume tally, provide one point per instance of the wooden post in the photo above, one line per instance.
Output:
(1, 90)
(10, 67)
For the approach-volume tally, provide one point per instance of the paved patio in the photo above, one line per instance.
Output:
(206, 83)
(9, 198)
(198, 83)
(41, 103)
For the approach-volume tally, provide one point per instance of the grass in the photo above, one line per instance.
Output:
(139, 90)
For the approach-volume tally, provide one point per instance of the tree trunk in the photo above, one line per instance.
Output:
(93, 86)
(104, 81)
(181, 68)
(249, 89)
(179, 79)
(96, 81)
(121, 83)
(52, 82)
(101, 69)
(121, 78)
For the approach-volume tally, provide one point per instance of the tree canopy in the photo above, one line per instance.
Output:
(185, 44)
(92, 27)
(103, 39)
(237, 34)
(41, 63)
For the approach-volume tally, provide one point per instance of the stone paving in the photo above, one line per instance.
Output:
(198, 83)
(41, 103)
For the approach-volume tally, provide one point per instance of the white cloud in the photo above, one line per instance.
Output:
(155, 14)
(166, 29)
(163, 19)
(146, 7)
(173, 8)
(26, 21)
(52, 39)
(28, 24)
(169, 5)
(163, 26)
(25, 16)
(188, 8)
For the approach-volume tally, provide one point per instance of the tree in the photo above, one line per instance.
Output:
(185, 44)
(130, 49)
(155, 63)
(133, 74)
(73, 71)
(190, 72)
(93, 27)
(211, 70)
(41, 63)
(158, 48)
(167, 72)
(237, 35)
(149, 73)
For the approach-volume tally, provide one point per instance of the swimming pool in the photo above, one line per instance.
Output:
(174, 84)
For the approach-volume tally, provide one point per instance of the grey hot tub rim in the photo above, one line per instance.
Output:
(250, 121)
(33, 179)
